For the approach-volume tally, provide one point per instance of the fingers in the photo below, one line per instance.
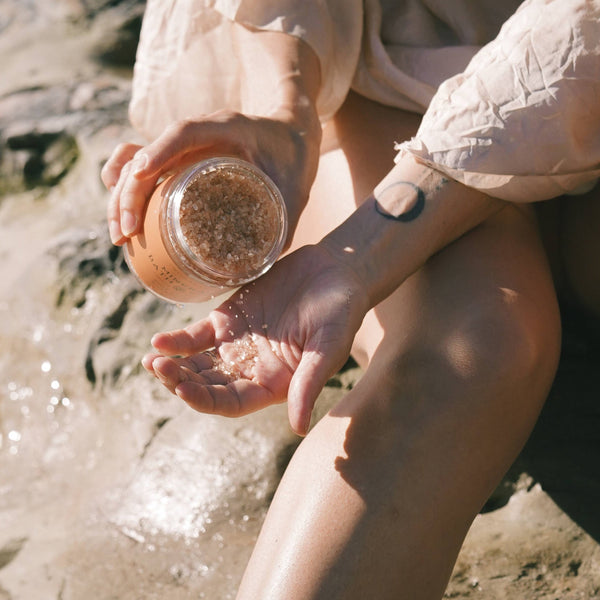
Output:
(187, 141)
(133, 197)
(113, 175)
(127, 202)
(171, 372)
(235, 399)
(128, 194)
(184, 342)
(111, 170)
(132, 170)
(117, 236)
(206, 389)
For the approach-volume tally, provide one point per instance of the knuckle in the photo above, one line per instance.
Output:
(234, 119)
(121, 148)
(129, 199)
(106, 174)
(182, 127)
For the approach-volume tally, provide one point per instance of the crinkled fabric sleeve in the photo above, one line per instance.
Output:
(522, 122)
(332, 28)
(185, 65)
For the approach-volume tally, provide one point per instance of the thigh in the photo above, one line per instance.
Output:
(497, 270)
(458, 363)
(356, 152)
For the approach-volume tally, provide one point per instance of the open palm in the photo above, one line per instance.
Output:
(279, 337)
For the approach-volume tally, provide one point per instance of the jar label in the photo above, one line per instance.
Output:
(149, 259)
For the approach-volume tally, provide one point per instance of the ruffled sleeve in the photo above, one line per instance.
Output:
(332, 28)
(185, 66)
(522, 122)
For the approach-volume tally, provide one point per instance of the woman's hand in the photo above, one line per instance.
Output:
(283, 145)
(282, 336)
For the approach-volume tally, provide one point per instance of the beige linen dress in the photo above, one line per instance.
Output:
(509, 91)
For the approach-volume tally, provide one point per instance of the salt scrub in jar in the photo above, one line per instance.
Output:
(213, 227)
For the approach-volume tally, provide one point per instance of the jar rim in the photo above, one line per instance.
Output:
(175, 232)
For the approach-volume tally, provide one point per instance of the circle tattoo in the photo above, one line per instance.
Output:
(411, 214)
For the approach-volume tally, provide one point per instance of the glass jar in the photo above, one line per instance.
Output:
(211, 228)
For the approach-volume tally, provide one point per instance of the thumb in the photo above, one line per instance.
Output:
(196, 338)
(306, 384)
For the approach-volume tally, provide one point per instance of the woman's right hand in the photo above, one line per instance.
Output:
(285, 147)
(280, 337)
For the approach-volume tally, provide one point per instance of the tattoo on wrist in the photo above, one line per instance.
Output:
(405, 210)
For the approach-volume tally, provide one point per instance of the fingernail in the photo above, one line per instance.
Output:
(305, 425)
(114, 231)
(147, 362)
(129, 222)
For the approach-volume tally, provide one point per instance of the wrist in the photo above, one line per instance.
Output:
(302, 119)
(297, 86)
(412, 214)
(354, 244)
(280, 74)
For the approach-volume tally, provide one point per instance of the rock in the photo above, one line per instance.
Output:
(527, 549)
(36, 159)
(10, 551)
(118, 48)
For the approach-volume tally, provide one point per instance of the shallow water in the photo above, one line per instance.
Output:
(109, 486)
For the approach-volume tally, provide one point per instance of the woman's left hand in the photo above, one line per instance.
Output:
(283, 147)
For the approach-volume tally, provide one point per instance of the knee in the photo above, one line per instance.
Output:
(500, 344)
(508, 340)
(477, 382)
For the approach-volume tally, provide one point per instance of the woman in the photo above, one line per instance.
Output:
(424, 261)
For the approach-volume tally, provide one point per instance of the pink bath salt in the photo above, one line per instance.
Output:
(228, 221)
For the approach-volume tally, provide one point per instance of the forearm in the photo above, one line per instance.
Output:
(280, 75)
(413, 213)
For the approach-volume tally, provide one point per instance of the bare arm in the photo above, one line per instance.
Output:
(412, 214)
(302, 316)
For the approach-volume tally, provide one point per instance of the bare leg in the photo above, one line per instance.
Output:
(379, 496)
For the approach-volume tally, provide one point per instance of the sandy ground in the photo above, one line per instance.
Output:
(109, 488)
